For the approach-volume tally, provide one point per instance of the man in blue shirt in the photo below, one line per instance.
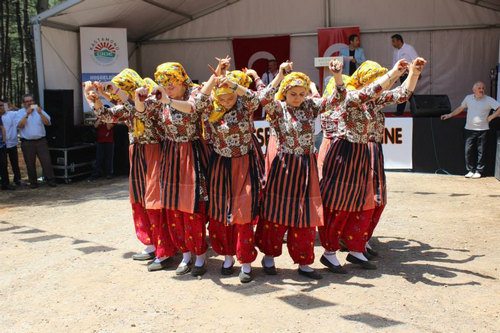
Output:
(9, 119)
(353, 55)
(3, 160)
(31, 123)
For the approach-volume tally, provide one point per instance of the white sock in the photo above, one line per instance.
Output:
(246, 268)
(358, 255)
(332, 258)
(306, 268)
(368, 246)
(200, 260)
(149, 249)
(186, 258)
(228, 261)
(160, 259)
(268, 261)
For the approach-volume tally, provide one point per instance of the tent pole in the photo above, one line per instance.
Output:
(327, 13)
(39, 61)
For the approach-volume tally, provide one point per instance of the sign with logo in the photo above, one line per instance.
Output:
(398, 143)
(103, 54)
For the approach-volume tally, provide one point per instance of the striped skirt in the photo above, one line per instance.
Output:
(234, 185)
(346, 170)
(377, 173)
(292, 197)
(183, 175)
(144, 178)
(271, 151)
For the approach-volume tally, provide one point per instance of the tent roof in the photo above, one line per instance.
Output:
(142, 18)
(145, 19)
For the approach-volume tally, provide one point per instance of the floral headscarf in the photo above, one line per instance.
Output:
(238, 77)
(294, 79)
(366, 73)
(128, 80)
(172, 73)
(331, 85)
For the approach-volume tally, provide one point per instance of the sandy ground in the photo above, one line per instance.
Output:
(65, 266)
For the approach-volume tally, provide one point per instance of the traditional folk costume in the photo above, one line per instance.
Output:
(235, 174)
(346, 185)
(376, 129)
(183, 170)
(145, 134)
(292, 199)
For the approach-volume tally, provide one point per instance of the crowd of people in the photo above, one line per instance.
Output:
(195, 161)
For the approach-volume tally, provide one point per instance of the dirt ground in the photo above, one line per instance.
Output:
(65, 266)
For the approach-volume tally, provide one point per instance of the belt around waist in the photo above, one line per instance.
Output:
(23, 139)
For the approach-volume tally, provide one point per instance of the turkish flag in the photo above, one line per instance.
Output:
(254, 52)
(332, 40)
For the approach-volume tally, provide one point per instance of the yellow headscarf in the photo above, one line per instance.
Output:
(294, 79)
(368, 72)
(128, 80)
(234, 76)
(331, 85)
(172, 73)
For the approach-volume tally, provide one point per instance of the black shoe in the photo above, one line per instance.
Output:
(157, 266)
(228, 270)
(245, 277)
(312, 275)
(364, 264)
(199, 270)
(368, 255)
(372, 252)
(269, 270)
(108, 177)
(52, 183)
(184, 269)
(331, 267)
(33, 185)
(8, 188)
(144, 256)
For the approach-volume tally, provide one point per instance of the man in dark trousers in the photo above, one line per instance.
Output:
(9, 119)
(31, 123)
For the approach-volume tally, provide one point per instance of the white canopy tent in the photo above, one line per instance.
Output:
(460, 38)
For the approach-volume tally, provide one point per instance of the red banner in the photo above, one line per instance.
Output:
(254, 52)
(332, 40)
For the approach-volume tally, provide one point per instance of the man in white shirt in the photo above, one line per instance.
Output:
(31, 121)
(9, 119)
(407, 52)
(478, 107)
(272, 70)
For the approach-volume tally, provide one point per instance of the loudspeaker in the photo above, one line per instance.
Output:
(431, 105)
(59, 105)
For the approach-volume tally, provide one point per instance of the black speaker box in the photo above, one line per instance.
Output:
(59, 105)
(431, 105)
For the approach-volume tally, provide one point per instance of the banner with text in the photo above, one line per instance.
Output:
(398, 143)
(103, 54)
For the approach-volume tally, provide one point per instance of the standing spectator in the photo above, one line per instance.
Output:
(407, 52)
(478, 107)
(3, 160)
(352, 53)
(104, 150)
(31, 123)
(272, 70)
(9, 119)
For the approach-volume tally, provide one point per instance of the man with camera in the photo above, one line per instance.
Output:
(31, 123)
